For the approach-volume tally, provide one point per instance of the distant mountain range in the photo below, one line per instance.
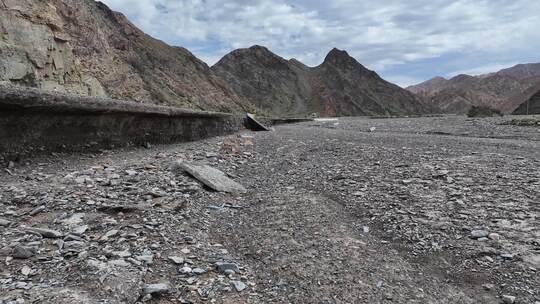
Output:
(83, 47)
(340, 86)
(505, 90)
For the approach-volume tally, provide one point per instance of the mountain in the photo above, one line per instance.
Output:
(340, 86)
(504, 90)
(81, 46)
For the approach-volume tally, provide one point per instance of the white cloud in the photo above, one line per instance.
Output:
(380, 34)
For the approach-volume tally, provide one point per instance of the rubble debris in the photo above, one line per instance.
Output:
(157, 289)
(46, 233)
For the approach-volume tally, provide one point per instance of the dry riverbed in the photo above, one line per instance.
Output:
(423, 210)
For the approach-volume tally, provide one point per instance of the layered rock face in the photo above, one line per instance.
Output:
(35, 50)
(340, 86)
(504, 90)
(81, 46)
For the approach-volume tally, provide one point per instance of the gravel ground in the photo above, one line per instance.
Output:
(424, 210)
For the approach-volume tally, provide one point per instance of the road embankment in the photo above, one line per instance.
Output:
(34, 121)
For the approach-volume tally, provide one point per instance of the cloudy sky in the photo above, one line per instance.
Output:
(404, 41)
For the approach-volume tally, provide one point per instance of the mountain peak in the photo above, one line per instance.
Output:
(336, 55)
(259, 48)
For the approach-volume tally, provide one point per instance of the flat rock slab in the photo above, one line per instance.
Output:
(212, 178)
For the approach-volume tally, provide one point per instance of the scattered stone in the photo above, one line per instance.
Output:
(488, 287)
(46, 233)
(74, 219)
(508, 256)
(477, 234)
(177, 260)
(131, 172)
(494, 236)
(26, 270)
(109, 234)
(146, 258)
(199, 271)
(122, 254)
(157, 289)
(37, 210)
(224, 266)
(186, 270)
(408, 181)
(211, 155)
(508, 299)
(20, 252)
(238, 285)
(212, 178)
(119, 262)
(79, 230)
(4, 223)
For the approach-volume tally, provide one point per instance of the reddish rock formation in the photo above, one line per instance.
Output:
(504, 90)
(81, 46)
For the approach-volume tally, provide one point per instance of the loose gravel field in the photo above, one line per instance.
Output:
(405, 210)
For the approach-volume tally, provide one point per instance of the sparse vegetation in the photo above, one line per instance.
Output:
(483, 111)
(525, 122)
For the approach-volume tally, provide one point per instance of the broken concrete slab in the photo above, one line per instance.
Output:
(211, 177)
(253, 124)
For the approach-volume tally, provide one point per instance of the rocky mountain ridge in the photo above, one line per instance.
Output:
(340, 86)
(84, 47)
(504, 90)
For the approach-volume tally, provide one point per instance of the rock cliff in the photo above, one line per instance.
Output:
(81, 46)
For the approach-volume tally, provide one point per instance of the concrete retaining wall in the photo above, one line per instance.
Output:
(34, 121)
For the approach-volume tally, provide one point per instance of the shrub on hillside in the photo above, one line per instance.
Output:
(483, 111)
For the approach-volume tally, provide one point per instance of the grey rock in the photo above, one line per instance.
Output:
(26, 270)
(37, 210)
(157, 289)
(211, 155)
(199, 271)
(488, 286)
(238, 285)
(75, 219)
(46, 233)
(4, 223)
(177, 260)
(109, 234)
(508, 299)
(119, 263)
(477, 234)
(122, 254)
(211, 177)
(20, 252)
(147, 258)
(494, 236)
(5, 251)
(79, 230)
(507, 256)
(224, 266)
